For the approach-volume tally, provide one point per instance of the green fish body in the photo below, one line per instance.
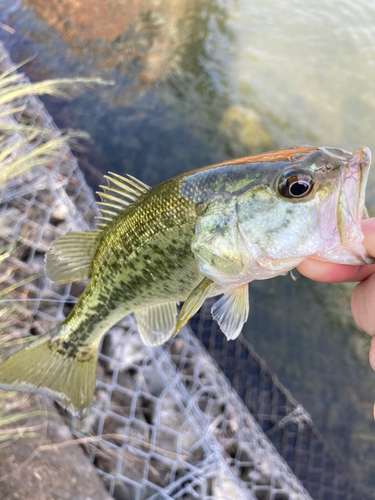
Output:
(200, 234)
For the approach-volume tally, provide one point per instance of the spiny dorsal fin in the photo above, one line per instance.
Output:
(231, 311)
(70, 256)
(156, 323)
(120, 192)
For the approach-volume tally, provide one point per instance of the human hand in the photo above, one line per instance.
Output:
(363, 295)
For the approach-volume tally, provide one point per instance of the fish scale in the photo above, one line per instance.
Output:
(203, 233)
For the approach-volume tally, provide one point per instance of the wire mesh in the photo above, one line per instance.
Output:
(286, 423)
(173, 422)
(181, 411)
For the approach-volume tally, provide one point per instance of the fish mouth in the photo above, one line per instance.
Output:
(352, 209)
(341, 227)
(354, 181)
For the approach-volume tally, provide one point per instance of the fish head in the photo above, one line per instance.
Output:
(312, 206)
(269, 213)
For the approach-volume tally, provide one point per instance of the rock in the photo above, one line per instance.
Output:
(245, 131)
(224, 487)
(174, 426)
(123, 347)
(154, 381)
(61, 473)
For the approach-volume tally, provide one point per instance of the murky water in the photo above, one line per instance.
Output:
(199, 81)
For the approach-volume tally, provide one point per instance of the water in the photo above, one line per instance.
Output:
(199, 81)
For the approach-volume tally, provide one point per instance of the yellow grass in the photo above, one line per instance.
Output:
(17, 156)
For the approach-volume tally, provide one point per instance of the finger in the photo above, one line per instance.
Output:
(335, 273)
(327, 272)
(372, 353)
(363, 304)
(368, 225)
(369, 243)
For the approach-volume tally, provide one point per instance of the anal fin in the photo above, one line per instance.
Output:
(156, 323)
(69, 258)
(231, 311)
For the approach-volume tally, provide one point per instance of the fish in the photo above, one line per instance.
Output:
(201, 234)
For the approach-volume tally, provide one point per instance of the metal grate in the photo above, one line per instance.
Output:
(171, 411)
(282, 419)
(166, 423)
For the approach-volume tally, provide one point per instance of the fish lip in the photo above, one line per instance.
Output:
(357, 169)
(355, 177)
(344, 237)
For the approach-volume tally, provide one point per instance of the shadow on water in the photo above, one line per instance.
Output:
(169, 110)
(306, 333)
(205, 80)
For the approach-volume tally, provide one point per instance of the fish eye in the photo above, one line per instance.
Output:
(295, 184)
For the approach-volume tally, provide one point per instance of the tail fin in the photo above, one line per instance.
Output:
(45, 368)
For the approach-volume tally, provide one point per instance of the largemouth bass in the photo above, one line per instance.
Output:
(201, 234)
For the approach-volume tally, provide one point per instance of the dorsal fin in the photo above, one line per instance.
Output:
(69, 257)
(120, 193)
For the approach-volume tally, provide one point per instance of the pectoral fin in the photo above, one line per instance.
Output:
(231, 311)
(156, 323)
(194, 302)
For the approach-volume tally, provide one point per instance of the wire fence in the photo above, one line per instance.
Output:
(197, 418)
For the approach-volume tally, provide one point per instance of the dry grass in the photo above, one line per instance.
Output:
(24, 146)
